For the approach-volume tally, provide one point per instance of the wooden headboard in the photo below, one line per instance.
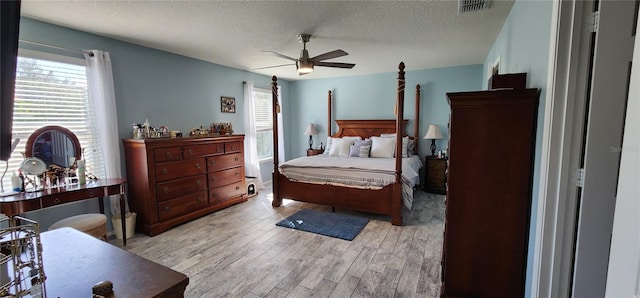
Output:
(366, 128)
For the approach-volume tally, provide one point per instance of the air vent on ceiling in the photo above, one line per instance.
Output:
(472, 5)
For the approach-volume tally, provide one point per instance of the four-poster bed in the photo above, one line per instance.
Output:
(386, 197)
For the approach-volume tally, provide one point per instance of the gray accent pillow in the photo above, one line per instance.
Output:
(356, 148)
(364, 151)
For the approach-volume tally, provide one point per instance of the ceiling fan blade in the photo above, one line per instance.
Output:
(335, 64)
(273, 66)
(282, 56)
(329, 55)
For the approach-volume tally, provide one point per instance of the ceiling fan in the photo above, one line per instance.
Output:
(305, 65)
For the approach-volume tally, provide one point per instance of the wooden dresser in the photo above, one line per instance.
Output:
(175, 180)
(489, 187)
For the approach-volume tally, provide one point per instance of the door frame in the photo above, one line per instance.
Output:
(561, 149)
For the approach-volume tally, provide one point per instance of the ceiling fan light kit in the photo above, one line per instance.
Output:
(305, 65)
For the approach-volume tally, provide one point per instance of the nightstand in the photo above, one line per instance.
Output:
(435, 175)
(312, 152)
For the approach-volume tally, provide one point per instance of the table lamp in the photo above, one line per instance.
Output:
(310, 131)
(433, 134)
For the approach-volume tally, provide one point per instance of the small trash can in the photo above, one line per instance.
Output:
(130, 222)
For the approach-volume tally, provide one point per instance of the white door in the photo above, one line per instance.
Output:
(623, 276)
(603, 134)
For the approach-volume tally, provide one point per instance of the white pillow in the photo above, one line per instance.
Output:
(387, 135)
(340, 147)
(382, 147)
(327, 147)
(405, 143)
(356, 138)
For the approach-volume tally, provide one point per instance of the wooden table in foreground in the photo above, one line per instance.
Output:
(29, 201)
(74, 262)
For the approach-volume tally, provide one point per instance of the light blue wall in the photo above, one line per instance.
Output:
(373, 97)
(523, 46)
(168, 89)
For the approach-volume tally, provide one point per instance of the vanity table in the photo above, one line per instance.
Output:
(58, 147)
(30, 201)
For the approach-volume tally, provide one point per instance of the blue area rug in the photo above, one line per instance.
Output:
(329, 224)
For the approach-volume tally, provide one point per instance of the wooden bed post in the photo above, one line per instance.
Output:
(396, 201)
(277, 200)
(329, 115)
(416, 124)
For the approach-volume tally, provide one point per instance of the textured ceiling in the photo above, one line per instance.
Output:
(376, 34)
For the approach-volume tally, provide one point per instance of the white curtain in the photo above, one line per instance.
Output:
(251, 163)
(280, 129)
(102, 94)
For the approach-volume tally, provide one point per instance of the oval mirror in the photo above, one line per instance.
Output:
(54, 145)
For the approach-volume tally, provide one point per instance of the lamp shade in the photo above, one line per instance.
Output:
(433, 133)
(311, 130)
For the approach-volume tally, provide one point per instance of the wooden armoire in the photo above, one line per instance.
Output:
(489, 187)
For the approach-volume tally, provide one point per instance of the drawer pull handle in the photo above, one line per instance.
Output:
(56, 200)
(213, 162)
(168, 154)
(165, 171)
(165, 190)
(199, 182)
(190, 152)
(166, 208)
(199, 200)
(213, 178)
(197, 165)
(91, 194)
(219, 149)
(237, 187)
(236, 159)
(233, 147)
(237, 174)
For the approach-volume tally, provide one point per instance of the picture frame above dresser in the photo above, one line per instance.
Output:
(175, 180)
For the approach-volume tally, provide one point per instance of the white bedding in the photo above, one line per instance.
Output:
(366, 173)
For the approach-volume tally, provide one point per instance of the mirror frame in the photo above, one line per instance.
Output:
(28, 151)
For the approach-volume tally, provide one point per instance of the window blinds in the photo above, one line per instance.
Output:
(54, 93)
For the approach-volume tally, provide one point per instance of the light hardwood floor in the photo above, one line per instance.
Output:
(240, 252)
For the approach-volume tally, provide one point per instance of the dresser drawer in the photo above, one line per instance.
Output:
(436, 174)
(178, 169)
(71, 196)
(224, 177)
(167, 154)
(182, 205)
(232, 147)
(202, 150)
(223, 193)
(175, 188)
(226, 161)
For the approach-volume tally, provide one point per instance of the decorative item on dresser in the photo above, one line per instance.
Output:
(435, 175)
(175, 180)
(489, 187)
(312, 152)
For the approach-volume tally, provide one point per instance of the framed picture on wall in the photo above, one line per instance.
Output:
(227, 104)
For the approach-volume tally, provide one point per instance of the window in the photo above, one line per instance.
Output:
(52, 90)
(264, 123)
